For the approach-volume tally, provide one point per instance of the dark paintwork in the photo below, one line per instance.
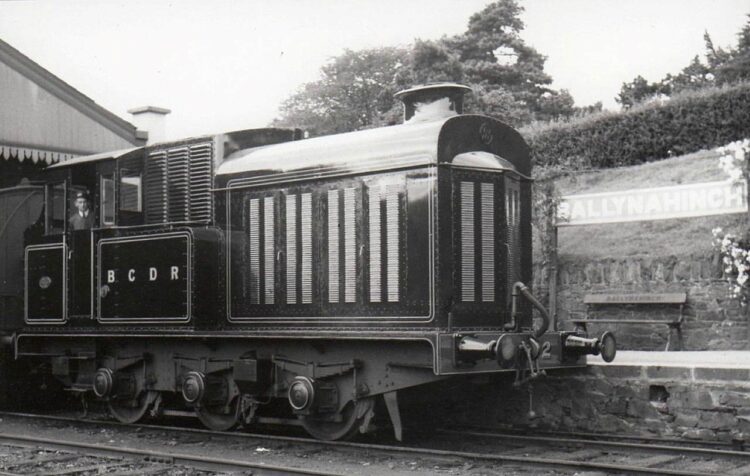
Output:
(403, 343)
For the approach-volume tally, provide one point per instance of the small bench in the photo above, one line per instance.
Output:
(673, 299)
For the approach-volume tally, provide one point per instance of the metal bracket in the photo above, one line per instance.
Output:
(534, 371)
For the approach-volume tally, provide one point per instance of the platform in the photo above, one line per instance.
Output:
(722, 359)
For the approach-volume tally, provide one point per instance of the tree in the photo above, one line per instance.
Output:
(636, 91)
(734, 65)
(721, 67)
(508, 78)
(696, 75)
(496, 59)
(354, 90)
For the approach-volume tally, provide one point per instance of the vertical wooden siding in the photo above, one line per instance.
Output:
(31, 116)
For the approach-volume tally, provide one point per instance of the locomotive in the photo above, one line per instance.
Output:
(259, 276)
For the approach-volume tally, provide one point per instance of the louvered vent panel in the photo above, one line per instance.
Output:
(333, 246)
(269, 253)
(468, 255)
(392, 242)
(254, 251)
(178, 177)
(306, 235)
(291, 249)
(488, 242)
(178, 184)
(375, 244)
(156, 187)
(350, 246)
(200, 181)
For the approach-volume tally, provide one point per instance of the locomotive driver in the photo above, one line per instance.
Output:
(83, 219)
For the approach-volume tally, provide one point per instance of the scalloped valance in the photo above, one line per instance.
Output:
(22, 153)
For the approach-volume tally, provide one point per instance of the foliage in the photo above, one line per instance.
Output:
(735, 254)
(355, 89)
(721, 67)
(687, 123)
(637, 91)
(507, 75)
(733, 159)
(546, 197)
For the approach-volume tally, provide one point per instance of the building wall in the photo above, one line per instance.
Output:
(713, 319)
(32, 117)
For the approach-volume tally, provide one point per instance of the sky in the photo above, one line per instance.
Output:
(223, 65)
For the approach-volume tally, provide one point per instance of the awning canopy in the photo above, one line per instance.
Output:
(113, 154)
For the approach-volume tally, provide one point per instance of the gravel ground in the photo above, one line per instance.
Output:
(345, 461)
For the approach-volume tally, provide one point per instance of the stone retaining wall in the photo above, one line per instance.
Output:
(695, 403)
(713, 319)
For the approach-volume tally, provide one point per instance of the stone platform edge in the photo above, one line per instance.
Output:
(689, 366)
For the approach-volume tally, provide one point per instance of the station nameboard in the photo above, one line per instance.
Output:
(679, 201)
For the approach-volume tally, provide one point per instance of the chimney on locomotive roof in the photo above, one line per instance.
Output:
(430, 102)
(151, 119)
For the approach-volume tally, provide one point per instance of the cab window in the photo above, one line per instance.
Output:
(130, 193)
(54, 206)
(107, 206)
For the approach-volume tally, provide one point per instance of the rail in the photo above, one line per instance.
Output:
(528, 450)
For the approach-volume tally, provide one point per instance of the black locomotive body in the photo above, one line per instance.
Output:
(229, 272)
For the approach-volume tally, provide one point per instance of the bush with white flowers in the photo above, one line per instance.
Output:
(735, 252)
(736, 261)
(732, 159)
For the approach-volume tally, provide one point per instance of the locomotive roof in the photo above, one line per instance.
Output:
(399, 146)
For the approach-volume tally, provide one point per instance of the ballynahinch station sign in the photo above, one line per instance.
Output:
(661, 203)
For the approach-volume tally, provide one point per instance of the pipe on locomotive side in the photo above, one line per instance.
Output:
(521, 288)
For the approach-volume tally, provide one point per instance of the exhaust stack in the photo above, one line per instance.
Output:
(432, 102)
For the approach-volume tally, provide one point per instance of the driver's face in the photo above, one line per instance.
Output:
(82, 204)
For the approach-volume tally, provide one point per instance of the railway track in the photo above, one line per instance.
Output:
(24, 454)
(554, 452)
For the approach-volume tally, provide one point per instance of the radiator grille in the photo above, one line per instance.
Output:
(468, 255)
(254, 251)
(488, 242)
(392, 241)
(333, 246)
(350, 246)
(178, 176)
(178, 183)
(375, 244)
(306, 234)
(156, 187)
(291, 249)
(200, 181)
(269, 252)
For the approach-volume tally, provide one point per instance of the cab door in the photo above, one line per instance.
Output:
(98, 181)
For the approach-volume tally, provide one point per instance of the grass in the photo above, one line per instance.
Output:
(677, 237)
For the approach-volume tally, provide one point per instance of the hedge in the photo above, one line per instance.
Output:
(684, 124)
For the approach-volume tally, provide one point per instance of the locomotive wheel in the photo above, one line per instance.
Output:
(352, 417)
(216, 420)
(130, 411)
